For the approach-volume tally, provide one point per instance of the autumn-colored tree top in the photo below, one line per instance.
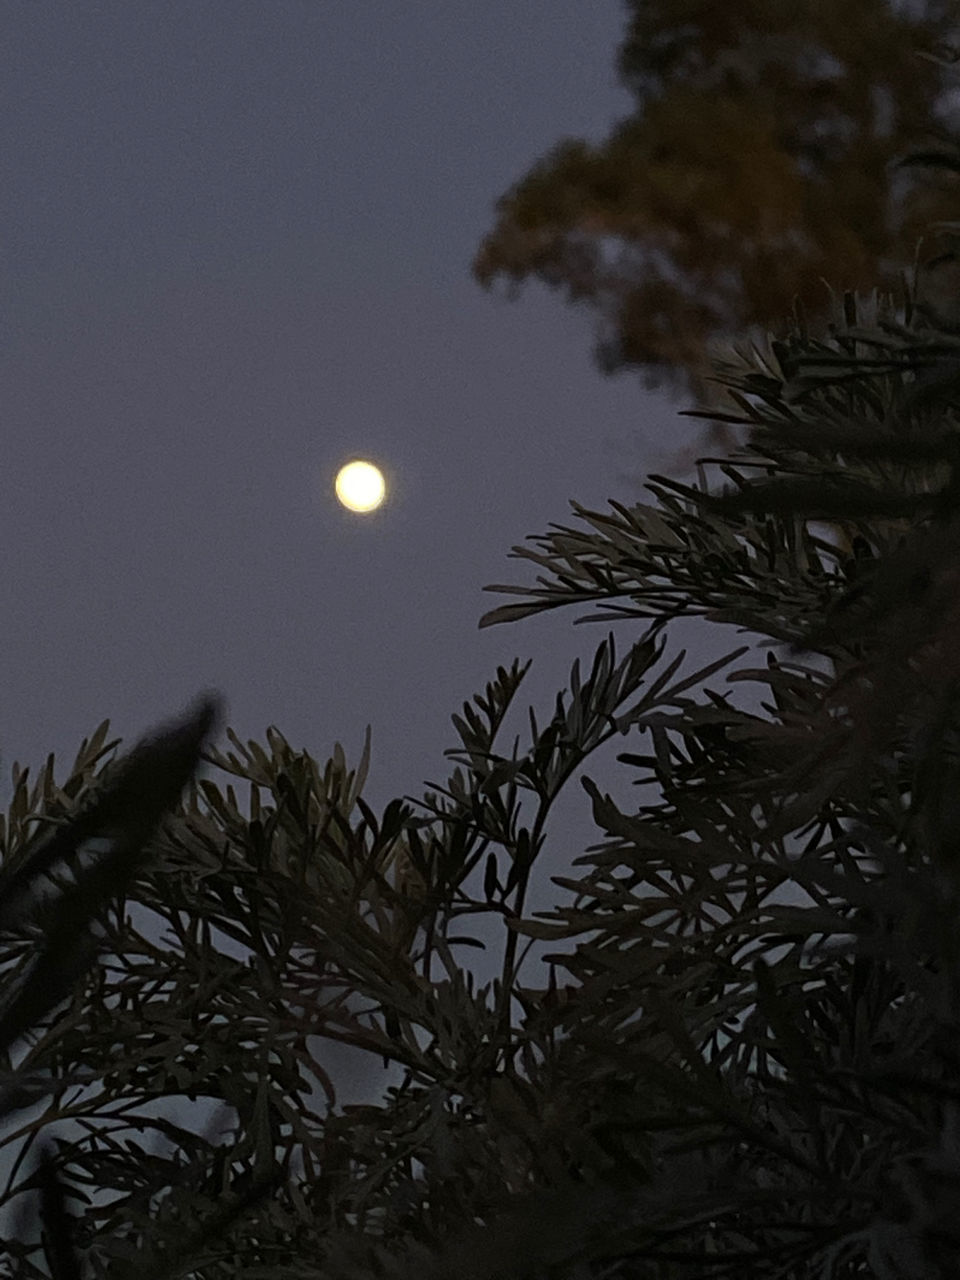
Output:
(760, 161)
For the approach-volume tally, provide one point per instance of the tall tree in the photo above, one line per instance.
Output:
(758, 163)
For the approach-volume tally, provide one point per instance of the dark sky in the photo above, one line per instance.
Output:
(235, 249)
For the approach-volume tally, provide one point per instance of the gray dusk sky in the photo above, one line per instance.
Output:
(235, 247)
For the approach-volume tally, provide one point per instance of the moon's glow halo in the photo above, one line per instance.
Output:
(360, 486)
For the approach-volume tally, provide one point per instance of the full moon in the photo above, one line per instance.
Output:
(360, 486)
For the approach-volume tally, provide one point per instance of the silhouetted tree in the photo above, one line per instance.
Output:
(758, 163)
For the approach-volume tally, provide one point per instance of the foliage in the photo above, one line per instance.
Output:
(54, 883)
(740, 1059)
(759, 161)
(781, 918)
(307, 919)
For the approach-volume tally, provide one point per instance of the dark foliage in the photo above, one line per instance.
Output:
(740, 1058)
(55, 888)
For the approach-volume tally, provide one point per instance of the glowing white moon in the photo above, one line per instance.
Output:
(360, 486)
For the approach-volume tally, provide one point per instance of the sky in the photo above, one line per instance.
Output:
(235, 245)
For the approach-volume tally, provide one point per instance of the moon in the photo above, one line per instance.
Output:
(360, 486)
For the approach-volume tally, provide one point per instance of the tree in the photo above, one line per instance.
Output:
(759, 162)
(746, 1063)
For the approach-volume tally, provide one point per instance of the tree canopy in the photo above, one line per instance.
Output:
(759, 162)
